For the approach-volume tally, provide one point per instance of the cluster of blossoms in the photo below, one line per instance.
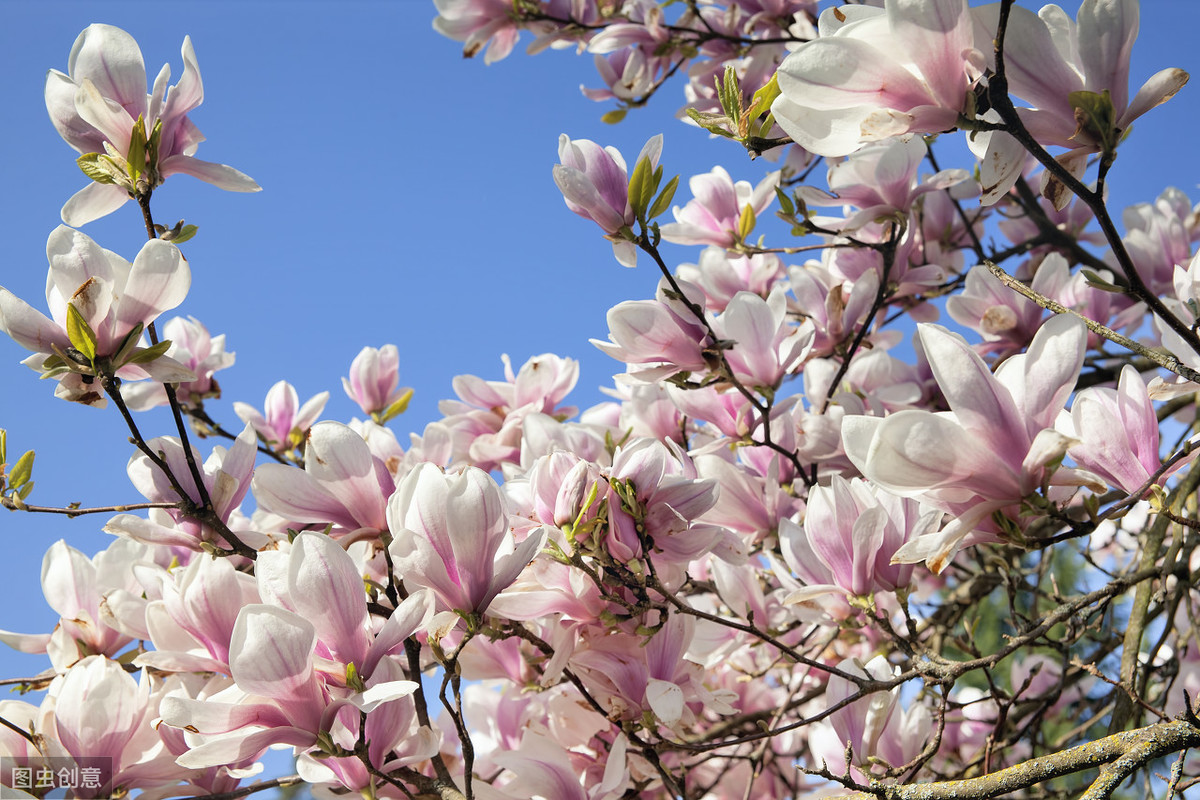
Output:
(781, 561)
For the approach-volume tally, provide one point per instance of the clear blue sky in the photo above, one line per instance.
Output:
(407, 199)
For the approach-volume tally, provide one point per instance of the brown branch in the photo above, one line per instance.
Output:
(274, 783)
(1118, 756)
(69, 511)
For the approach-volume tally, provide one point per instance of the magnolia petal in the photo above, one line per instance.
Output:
(295, 495)
(29, 327)
(381, 693)
(1161, 87)
(665, 700)
(236, 750)
(220, 175)
(111, 59)
(25, 642)
(106, 115)
(92, 202)
(270, 653)
(326, 589)
(158, 281)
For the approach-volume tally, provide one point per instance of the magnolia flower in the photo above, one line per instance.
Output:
(374, 375)
(1117, 431)
(1076, 77)
(851, 531)
(198, 350)
(713, 215)
(131, 141)
(450, 533)
(1049, 57)
(100, 303)
(283, 422)
(595, 185)
(342, 483)
(996, 445)
(226, 477)
(875, 73)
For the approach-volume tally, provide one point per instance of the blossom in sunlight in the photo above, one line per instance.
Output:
(374, 382)
(712, 215)
(878, 72)
(450, 533)
(198, 350)
(996, 446)
(100, 303)
(283, 422)
(131, 141)
(595, 185)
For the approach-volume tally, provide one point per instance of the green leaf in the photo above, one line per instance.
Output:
(354, 681)
(396, 408)
(148, 354)
(764, 97)
(663, 202)
(785, 202)
(128, 343)
(93, 165)
(614, 116)
(640, 188)
(82, 337)
(137, 148)
(24, 491)
(746, 222)
(713, 123)
(21, 471)
(185, 233)
(730, 95)
(3, 446)
(1095, 281)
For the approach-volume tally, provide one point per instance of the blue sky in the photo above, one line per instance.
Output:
(407, 199)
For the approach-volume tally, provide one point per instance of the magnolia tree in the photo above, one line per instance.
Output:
(781, 562)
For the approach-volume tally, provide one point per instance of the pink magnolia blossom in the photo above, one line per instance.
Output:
(995, 446)
(192, 624)
(486, 425)
(374, 381)
(194, 347)
(76, 588)
(477, 23)
(283, 424)
(1117, 431)
(1006, 320)
(96, 107)
(879, 72)
(721, 275)
(289, 658)
(1159, 236)
(342, 483)
(101, 711)
(595, 185)
(766, 345)
(658, 337)
(113, 297)
(874, 726)
(882, 179)
(712, 216)
(655, 500)
(836, 309)
(450, 533)
(851, 531)
(226, 475)
(1048, 56)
